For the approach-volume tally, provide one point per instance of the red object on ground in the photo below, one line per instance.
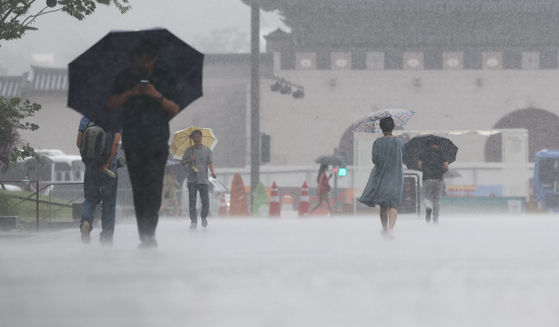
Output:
(275, 206)
(238, 197)
(222, 206)
(304, 203)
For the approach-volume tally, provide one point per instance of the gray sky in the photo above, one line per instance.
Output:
(61, 38)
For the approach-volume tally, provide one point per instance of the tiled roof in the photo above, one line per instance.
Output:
(38, 79)
(48, 79)
(10, 86)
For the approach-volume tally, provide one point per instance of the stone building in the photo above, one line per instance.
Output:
(460, 65)
(222, 107)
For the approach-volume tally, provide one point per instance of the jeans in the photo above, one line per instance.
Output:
(433, 190)
(146, 168)
(193, 189)
(100, 188)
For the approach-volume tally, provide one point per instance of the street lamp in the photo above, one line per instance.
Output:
(299, 94)
(51, 3)
(286, 89)
(275, 87)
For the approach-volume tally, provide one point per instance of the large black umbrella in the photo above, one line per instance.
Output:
(332, 160)
(419, 144)
(92, 74)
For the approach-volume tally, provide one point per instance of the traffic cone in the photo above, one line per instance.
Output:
(287, 201)
(238, 198)
(222, 206)
(304, 203)
(274, 202)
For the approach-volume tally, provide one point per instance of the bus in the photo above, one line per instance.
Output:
(55, 167)
(546, 179)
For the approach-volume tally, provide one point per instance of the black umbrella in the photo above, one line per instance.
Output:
(92, 74)
(333, 160)
(418, 145)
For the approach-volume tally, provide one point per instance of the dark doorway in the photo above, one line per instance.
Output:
(543, 132)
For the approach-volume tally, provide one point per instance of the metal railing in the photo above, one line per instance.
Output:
(38, 201)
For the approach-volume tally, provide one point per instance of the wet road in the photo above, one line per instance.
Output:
(467, 271)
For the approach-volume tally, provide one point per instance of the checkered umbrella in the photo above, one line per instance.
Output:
(370, 123)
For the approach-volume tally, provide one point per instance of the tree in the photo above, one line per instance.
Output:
(15, 17)
(15, 20)
(12, 114)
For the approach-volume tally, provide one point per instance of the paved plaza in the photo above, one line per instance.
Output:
(289, 272)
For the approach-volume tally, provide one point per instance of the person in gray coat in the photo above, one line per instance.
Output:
(386, 182)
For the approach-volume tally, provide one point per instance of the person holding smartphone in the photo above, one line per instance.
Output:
(148, 95)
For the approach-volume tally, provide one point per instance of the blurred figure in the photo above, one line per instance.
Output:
(386, 182)
(99, 187)
(148, 95)
(198, 158)
(170, 184)
(433, 165)
(322, 189)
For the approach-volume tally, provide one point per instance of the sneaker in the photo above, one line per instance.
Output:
(428, 214)
(86, 230)
(148, 242)
(204, 222)
(435, 221)
(193, 225)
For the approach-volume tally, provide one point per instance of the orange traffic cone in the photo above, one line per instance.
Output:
(222, 206)
(304, 203)
(274, 202)
(238, 197)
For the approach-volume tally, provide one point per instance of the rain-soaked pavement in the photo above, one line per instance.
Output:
(466, 271)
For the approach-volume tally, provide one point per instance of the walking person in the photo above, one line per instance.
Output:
(433, 165)
(99, 186)
(170, 184)
(148, 95)
(386, 182)
(322, 189)
(198, 158)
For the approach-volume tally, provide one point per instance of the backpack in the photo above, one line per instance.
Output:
(95, 148)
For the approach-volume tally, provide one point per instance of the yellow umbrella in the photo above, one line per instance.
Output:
(182, 141)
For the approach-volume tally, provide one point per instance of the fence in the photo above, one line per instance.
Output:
(64, 198)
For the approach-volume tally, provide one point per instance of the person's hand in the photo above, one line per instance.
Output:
(149, 90)
(214, 176)
(102, 168)
(193, 158)
(136, 90)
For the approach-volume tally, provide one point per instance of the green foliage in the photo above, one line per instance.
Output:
(6, 205)
(12, 114)
(16, 19)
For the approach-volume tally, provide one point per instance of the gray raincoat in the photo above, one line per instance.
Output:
(386, 182)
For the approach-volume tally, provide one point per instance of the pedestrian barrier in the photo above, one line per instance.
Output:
(304, 202)
(411, 194)
(222, 206)
(275, 210)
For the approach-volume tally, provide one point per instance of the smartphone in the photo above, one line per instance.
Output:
(144, 81)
